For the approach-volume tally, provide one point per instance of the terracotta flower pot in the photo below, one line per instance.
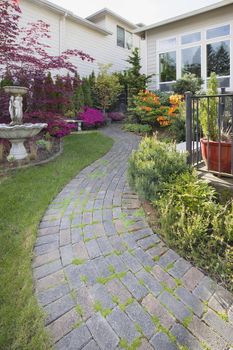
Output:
(210, 154)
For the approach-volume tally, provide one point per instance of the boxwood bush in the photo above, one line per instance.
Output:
(152, 165)
(197, 226)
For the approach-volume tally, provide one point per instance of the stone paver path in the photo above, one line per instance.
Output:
(106, 281)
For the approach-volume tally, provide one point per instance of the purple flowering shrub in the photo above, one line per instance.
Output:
(57, 127)
(91, 117)
(116, 116)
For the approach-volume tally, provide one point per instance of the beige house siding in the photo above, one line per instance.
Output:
(66, 33)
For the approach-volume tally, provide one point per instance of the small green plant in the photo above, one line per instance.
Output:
(99, 308)
(189, 82)
(138, 128)
(152, 165)
(78, 261)
(208, 110)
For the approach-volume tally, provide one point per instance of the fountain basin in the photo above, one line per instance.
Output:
(15, 90)
(17, 134)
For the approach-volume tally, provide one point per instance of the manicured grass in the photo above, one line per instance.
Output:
(24, 197)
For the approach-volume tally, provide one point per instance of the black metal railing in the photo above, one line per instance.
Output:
(209, 132)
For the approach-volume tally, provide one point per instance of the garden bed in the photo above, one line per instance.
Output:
(36, 155)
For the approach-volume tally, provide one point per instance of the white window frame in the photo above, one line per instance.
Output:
(125, 43)
(203, 44)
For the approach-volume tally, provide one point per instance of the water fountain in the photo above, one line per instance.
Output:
(17, 131)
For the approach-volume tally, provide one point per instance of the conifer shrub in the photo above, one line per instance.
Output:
(154, 164)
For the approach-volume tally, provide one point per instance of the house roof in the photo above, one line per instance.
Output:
(185, 15)
(105, 11)
(58, 9)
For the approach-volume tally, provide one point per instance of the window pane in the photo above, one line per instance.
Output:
(167, 44)
(191, 60)
(128, 40)
(166, 87)
(167, 65)
(190, 38)
(218, 58)
(219, 31)
(120, 37)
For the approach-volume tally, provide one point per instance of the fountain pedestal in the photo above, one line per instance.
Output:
(17, 132)
(17, 151)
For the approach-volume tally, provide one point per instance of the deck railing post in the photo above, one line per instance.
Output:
(188, 101)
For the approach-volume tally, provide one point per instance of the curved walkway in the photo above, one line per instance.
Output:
(106, 281)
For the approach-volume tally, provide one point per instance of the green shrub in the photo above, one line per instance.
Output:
(189, 82)
(152, 165)
(197, 226)
(138, 128)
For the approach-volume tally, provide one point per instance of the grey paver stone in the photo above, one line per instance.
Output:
(48, 296)
(148, 242)
(206, 334)
(47, 239)
(66, 254)
(92, 345)
(161, 341)
(85, 301)
(49, 281)
(48, 230)
(65, 237)
(155, 308)
(63, 325)
(122, 325)
(93, 249)
(163, 276)
(180, 267)
(45, 248)
(205, 289)
(224, 329)
(192, 277)
(143, 257)
(117, 289)
(58, 308)
(99, 293)
(190, 300)
(140, 317)
(117, 262)
(105, 245)
(169, 257)
(151, 283)
(101, 331)
(132, 263)
(175, 306)
(47, 269)
(79, 251)
(45, 258)
(75, 340)
(133, 285)
(184, 337)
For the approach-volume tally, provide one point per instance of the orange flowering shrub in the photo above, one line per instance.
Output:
(148, 108)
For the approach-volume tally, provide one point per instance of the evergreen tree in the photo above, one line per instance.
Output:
(78, 99)
(87, 92)
(134, 80)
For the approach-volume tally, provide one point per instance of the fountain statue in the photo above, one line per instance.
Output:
(17, 132)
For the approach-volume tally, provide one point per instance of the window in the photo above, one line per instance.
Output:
(191, 60)
(190, 38)
(167, 66)
(219, 31)
(167, 44)
(128, 40)
(124, 38)
(120, 37)
(218, 58)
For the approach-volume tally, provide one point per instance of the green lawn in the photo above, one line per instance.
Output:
(24, 197)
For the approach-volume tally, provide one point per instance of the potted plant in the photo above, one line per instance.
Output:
(216, 144)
